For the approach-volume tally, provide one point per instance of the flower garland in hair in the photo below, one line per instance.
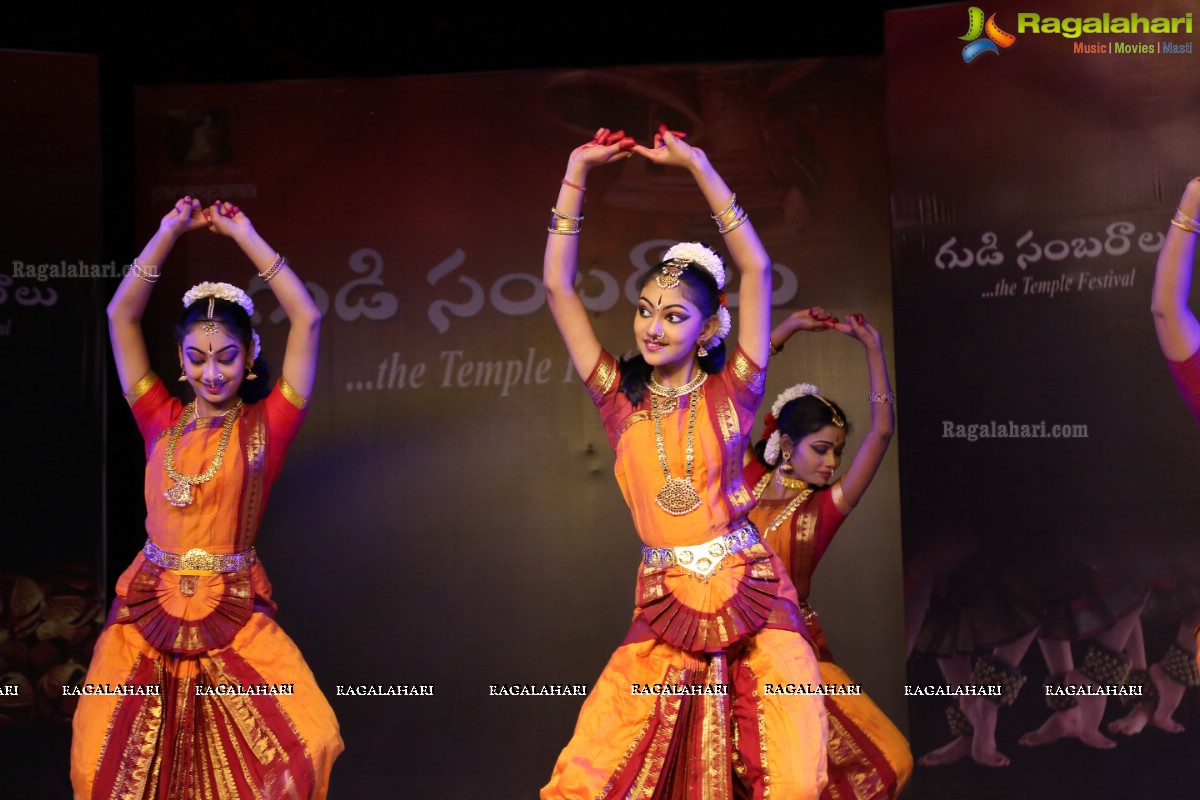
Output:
(711, 262)
(231, 293)
(221, 291)
(699, 254)
(771, 451)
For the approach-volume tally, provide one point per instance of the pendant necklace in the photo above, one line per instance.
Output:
(180, 495)
(678, 495)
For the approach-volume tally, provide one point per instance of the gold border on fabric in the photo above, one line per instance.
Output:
(603, 376)
(839, 497)
(714, 741)
(667, 711)
(748, 372)
(291, 395)
(255, 439)
(141, 387)
(637, 740)
(844, 751)
(805, 527)
(731, 435)
(147, 725)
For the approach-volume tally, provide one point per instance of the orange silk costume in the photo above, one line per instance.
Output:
(740, 629)
(869, 759)
(187, 633)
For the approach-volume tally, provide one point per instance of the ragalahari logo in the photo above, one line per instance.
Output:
(996, 38)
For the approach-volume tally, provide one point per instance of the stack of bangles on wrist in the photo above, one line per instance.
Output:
(564, 224)
(279, 263)
(882, 397)
(1185, 223)
(731, 216)
(147, 272)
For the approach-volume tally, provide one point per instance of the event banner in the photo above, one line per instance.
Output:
(447, 543)
(1049, 512)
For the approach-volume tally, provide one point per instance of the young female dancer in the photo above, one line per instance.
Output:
(697, 697)
(219, 701)
(800, 508)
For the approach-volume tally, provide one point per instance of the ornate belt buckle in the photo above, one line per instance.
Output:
(197, 558)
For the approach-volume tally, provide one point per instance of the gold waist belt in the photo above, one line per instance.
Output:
(198, 559)
(702, 559)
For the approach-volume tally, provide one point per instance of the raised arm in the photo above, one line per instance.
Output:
(749, 255)
(815, 319)
(561, 262)
(883, 420)
(128, 304)
(1176, 325)
(304, 318)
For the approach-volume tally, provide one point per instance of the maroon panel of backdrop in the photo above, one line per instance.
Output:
(449, 515)
(52, 279)
(1032, 182)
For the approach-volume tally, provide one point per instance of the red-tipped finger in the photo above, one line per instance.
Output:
(627, 143)
(679, 134)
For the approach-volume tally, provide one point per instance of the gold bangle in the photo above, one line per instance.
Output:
(147, 272)
(725, 210)
(565, 225)
(773, 350)
(1185, 223)
(279, 263)
(742, 217)
(561, 215)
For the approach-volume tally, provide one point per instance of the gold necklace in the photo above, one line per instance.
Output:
(180, 494)
(678, 495)
(669, 392)
(788, 483)
(791, 507)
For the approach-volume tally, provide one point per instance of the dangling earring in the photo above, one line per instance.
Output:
(250, 376)
(785, 461)
(700, 351)
(182, 375)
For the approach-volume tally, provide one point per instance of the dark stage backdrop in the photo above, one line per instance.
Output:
(449, 515)
(51, 376)
(1031, 189)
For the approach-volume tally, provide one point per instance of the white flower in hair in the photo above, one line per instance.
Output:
(771, 451)
(788, 395)
(221, 291)
(699, 254)
(257, 345)
(724, 324)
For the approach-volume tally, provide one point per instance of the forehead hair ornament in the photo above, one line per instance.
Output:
(210, 326)
(214, 291)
